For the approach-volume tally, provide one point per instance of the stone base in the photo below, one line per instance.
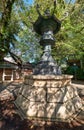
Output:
(48, 97)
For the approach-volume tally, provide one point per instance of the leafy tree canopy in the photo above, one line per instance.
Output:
(16, 28)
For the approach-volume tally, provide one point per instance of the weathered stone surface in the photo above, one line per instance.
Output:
(6, 95)
(39, 83)
(32, 93)
(48, 97)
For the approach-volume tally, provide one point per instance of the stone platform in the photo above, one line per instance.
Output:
(48, 97)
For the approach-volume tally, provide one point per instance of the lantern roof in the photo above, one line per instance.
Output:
(42, 22)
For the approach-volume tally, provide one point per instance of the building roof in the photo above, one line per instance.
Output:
(27, 65)
(8, 62)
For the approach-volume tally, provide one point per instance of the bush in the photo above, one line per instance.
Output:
(78, 73)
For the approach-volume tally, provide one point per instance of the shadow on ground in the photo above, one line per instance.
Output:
(10, 120)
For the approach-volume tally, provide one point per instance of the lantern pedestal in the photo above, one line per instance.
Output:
(48, 98)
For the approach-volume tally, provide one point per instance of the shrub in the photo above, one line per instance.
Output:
(78, 73)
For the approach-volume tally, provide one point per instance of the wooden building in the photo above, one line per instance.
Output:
(8, 70)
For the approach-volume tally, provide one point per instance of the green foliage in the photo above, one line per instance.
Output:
(77, 73)
(28, 46)
(7, 26)
(16, 30)
(80, 74)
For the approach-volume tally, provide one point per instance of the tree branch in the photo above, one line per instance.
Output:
(80, 30)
